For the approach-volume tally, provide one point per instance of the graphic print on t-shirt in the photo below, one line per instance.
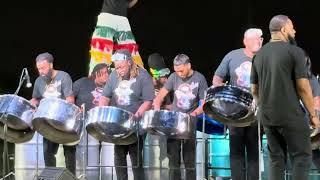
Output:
(123, 92)
(184, 95)
(51, 90)
(96, 93)
(243, 74)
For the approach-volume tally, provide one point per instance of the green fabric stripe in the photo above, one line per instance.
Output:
(121, 36)
(104, 31)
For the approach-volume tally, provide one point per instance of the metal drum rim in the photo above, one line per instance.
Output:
(19, 97)
(62, 100)
(110, 107)
(168, 111)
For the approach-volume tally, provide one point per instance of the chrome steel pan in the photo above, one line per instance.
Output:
(17, 110)
(112, 124)
(172, 124)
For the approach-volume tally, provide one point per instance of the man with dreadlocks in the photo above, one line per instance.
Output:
(130, 88)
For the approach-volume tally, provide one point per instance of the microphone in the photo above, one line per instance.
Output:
(29, 84)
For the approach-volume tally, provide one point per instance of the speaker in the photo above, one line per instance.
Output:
(56, 173)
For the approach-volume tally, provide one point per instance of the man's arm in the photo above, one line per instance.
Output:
(145, 106)
(159, 98)
(132, 3)
(34, 102)
(199, 109)
(316, 101)
(104, 101)
(255, 93)
(305, 93)
(217, 81)
(67, 88)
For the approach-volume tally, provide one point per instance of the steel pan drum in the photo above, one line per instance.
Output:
(112, 124)
(16, 136)
(58, 121)
(172, 124)
(230, 105)
(18, 111)
(212, 126)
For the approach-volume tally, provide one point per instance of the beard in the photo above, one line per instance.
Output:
(292, 40)
(47, 77)
(158, 84)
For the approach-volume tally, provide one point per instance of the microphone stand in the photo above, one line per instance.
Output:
(4, 116)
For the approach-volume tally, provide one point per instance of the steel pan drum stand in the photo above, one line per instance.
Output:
(204, 150)
(37, 159)
(5, 156)
(83, 175)
(204, 147)
(259, 144)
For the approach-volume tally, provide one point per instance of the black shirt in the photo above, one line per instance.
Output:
(87, 92)
(116, 7)
(275, 68)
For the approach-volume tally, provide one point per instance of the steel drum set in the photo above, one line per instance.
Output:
(65, 123)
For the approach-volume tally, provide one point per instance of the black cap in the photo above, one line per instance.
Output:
(156, 61)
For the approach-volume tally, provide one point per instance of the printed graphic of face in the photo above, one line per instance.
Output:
(243, 74)
(96, 93)
(123, 92)
(51, 90)
(185, 95)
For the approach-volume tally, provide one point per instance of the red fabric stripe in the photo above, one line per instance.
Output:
(132, 47)
(101, 44)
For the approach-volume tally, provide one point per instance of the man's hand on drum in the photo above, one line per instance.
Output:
(315, 121)
(137, 115)
(81, 109)
(156, 106)
(34, 102)
(254, 106)
(193, 113)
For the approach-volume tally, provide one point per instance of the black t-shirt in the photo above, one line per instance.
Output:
(275, 69)
(116, 7)
(187, 92)
(129, 94)
(59, 87)
(87, 92)
(167, 100)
